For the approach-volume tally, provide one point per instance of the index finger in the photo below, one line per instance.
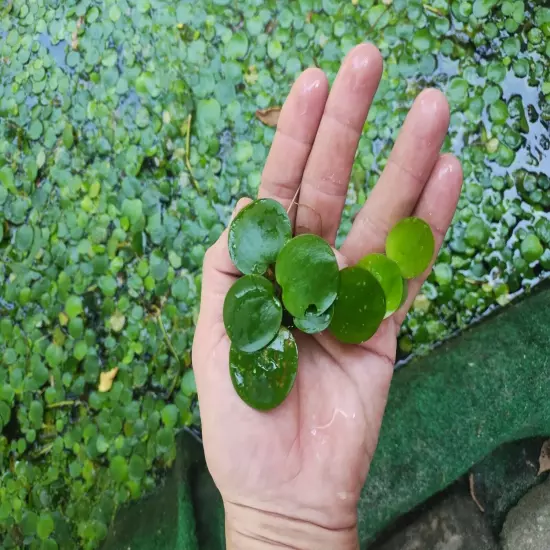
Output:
(296, 130)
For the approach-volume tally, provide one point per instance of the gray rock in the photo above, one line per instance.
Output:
(453, 524)
(527, 526)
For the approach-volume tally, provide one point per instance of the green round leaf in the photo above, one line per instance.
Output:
(188, 385)
(180, 289)
(35, 129)
(44, 526)
(264, 379)
(388, 274)
(73, 306)
(312, 323)
(29, 522)
(119, 469)
(411, 246)
(308, 273)
(137, 467)
(170, 415)
(477, 233)
(36, 414)
(531, 248)
(54, 355)
(208, 112)
(257, 234)
(237, 46)
(7, 181)
(359, 308)
(252, 314)
(24, 237)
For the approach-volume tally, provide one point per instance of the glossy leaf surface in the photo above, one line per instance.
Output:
(312, 323)
(388, 274)
(257, 234)
(359, 308)
(308, 273)
(252, 314)
(264, 379)
(411, 246)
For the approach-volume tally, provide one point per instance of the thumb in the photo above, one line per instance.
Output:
(218, 275)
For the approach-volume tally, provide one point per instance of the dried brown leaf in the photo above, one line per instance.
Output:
(269, 116)
(74, 37)
(106, 380)
(544, 458)
(270, 27)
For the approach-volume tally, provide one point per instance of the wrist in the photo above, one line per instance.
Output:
(251, 529)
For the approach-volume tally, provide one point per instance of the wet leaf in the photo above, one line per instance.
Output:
(44, 526)
(252, 314)
(312, 323)
(308, 274)
(410, 244)
(270, 116)
(117, 321)
(119, 469)
(388, 274)
(359, 308)
(257, 234)
(264, 379)
(106, 379)
(531, 248)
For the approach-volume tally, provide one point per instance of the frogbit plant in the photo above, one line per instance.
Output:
(296, 281)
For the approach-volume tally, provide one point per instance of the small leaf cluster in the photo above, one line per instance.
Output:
(298, 278)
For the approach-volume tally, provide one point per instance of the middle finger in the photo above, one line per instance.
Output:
(326, 177)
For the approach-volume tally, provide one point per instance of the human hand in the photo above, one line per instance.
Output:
(292, 477)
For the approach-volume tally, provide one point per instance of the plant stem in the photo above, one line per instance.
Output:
(60, 404)
(187, 149)
(166, 337)
(293, 201)
(172, 351)
(433, 10)
(45, 450)
(373, 26)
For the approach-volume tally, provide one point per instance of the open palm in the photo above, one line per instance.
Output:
(308, 459)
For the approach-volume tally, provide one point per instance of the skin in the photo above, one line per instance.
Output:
(291, 478)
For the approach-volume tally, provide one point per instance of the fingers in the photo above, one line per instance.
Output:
(436, 206)
(401, 184)
(326, 177)
(296, 130)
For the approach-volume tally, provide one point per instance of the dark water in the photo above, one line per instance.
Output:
(57, 51)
